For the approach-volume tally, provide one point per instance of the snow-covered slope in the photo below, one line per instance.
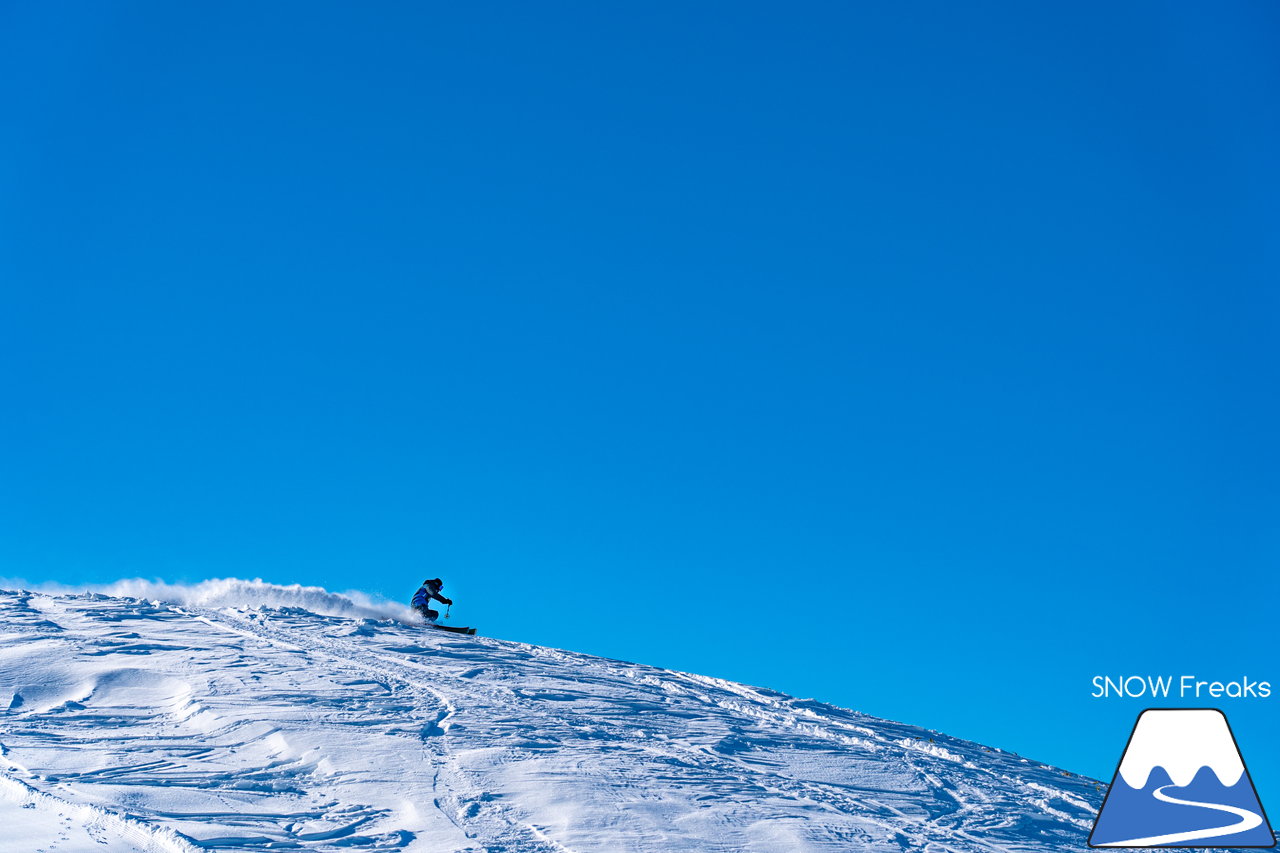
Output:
(136, 725)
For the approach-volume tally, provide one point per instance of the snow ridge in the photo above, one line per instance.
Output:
(251, 729)
(242, 595)
(98, 822)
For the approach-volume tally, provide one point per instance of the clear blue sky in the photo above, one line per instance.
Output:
(921, 358)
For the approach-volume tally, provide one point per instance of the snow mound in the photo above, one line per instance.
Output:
(229, 716)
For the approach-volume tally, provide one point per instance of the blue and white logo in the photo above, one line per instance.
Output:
(1182, 783)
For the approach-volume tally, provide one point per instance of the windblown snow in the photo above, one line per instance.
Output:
(171, 721)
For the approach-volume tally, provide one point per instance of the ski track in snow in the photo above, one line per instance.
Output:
(143, 727)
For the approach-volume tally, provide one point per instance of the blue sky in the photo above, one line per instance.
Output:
(916, 357)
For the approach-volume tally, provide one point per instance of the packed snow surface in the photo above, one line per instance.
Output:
(178, 723)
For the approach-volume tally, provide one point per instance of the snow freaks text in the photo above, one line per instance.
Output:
(1178, 687)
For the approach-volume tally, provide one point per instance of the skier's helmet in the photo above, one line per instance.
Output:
(435, 582)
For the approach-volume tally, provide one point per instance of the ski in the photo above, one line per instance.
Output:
(453, 629)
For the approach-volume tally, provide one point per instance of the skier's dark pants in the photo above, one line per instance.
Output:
(428, 613)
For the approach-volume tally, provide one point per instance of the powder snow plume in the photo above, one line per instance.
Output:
(241, 594)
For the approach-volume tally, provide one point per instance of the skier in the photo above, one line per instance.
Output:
(422, 599)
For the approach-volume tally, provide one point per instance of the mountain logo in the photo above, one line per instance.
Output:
(1182, 783)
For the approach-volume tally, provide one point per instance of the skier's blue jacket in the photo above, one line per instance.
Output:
(425, 594)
